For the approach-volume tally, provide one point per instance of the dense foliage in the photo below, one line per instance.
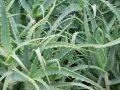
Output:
(59, 44)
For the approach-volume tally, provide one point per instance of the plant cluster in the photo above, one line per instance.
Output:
(59, 45)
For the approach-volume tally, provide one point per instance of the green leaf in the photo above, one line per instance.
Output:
(67, 84)
(71, 8)
(27, 77)
(65, 72)
(26, 6)
(42, 21)
(5, 33)
(42, 62)
(113, 8)
(15, 30)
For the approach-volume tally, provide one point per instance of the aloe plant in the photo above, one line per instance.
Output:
(59, 45)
